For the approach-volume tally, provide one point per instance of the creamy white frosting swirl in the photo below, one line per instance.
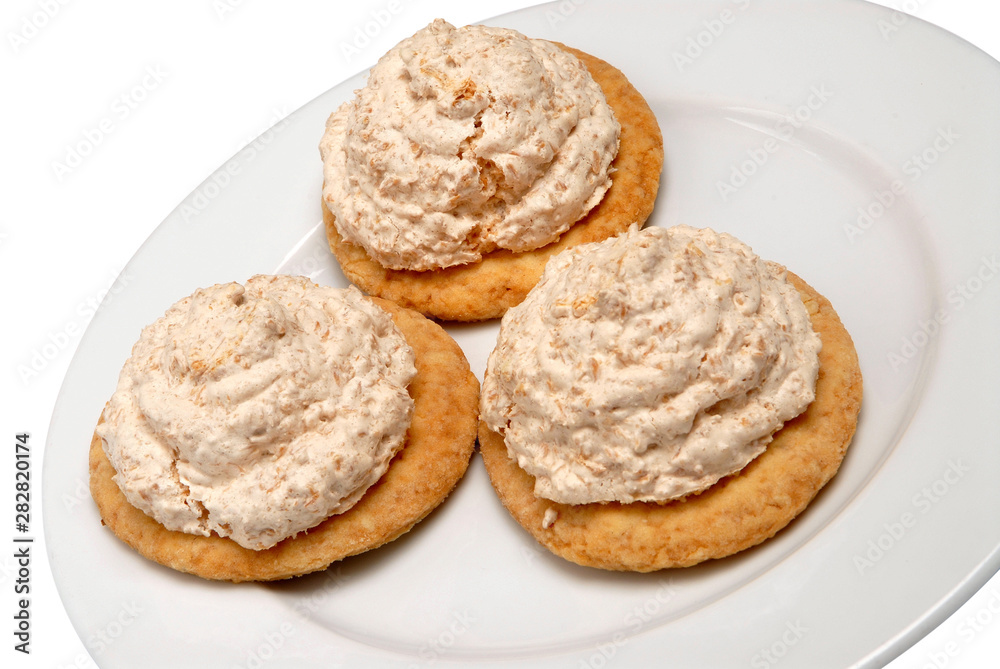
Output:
(464, 141)
(649, 366)
(256, 412)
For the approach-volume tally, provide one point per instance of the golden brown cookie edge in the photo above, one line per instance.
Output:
(438, 447)
(486, 289)
(740, 511)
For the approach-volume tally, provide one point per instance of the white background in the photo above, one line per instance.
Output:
(158, 96)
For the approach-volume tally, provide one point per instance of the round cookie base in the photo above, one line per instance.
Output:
(423, 473)
(740, 511)
(486, 289)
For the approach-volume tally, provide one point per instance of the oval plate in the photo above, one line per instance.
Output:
(860, 162)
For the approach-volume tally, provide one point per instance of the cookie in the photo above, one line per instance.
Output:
(438, 447)
(736, 513)
(486, 289)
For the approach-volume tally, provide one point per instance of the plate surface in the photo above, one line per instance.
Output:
(860, 162)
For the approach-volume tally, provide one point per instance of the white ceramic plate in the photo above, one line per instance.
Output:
(860, 151)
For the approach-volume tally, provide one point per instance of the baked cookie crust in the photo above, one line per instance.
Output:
(736, 513)
(486, 289)
(438, 447)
